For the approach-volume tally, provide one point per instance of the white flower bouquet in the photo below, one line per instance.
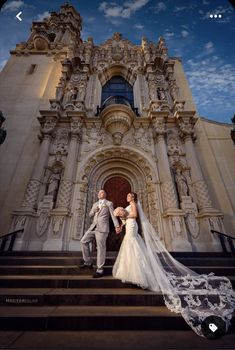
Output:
(121, 213)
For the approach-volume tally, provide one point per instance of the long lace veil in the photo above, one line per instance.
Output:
(195, 296)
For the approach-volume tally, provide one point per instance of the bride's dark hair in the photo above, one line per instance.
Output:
(135, 197)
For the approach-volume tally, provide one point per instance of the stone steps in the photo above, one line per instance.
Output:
(47, 291)
(80, 296)
(66, 260)
(74, 269)
(91, 318)
(65, 281)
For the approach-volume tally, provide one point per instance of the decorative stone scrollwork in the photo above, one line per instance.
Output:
(177, 227)
(57, 222)
(179, 105)
(42, 222)
(192, 223)
(76, 126)
(48, 125)
(153, 209)
(186, 126)
(61, 141)
(159, 125)
(139, 137)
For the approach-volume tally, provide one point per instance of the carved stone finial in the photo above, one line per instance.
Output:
(117, 36)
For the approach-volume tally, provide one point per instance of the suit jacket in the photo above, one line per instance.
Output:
(101, 218)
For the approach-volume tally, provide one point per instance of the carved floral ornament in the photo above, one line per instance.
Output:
(159, 125)
(186, 127)
(122, 153)
(76, 126)
(48, 125)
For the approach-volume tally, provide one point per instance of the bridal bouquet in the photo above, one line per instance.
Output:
(121, 212)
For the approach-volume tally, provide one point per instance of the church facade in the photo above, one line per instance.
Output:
(118, 116)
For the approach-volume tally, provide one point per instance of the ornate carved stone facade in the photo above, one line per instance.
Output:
(148, 138)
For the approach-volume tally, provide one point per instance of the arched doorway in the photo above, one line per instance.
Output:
(117, 188)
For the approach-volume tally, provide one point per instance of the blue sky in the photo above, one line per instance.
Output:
(206, 45)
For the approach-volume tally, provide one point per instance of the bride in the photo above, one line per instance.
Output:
(147, 263)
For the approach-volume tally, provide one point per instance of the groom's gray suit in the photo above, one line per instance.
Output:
(100, 230)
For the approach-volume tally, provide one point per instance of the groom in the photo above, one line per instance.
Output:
(101, 211)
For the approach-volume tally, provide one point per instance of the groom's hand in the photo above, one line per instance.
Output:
(118, 230)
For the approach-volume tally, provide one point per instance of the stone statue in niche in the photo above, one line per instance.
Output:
(60, 89)
(161, 94)
(74, 93)
(82, 88)
(53, 183)
(181, 182)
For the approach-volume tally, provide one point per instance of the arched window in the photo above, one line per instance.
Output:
(117, 86)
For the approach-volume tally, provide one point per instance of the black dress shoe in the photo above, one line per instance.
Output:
(98, 274)
(85, 266)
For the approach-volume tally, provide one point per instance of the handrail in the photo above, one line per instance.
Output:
(11, 233)
(223, 234)
(229, 239)
(12, 241)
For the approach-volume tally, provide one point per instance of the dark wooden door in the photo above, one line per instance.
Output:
(117, 189)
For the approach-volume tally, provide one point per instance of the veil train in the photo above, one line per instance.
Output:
(195, 296)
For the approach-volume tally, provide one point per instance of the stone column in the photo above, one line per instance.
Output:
(27, 214)
(186, 125)
(59, 229)
(33, 187)
(67, 181)
(203, 242)
(167, 185)
(173, 222)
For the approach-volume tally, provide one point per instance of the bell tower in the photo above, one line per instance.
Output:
(28, 82)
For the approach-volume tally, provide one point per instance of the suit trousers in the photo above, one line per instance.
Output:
(100, 238)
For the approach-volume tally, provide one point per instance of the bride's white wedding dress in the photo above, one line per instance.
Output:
(147, 263)
(132, 264)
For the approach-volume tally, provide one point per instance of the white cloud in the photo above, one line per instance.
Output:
(179, 8)
(184, 33)
(213, 85)
(13, 5)
(89, 19)
(112, 10)
(169, 34)
(160, 7)
(138, 26)
(41, 16)
(208, 48)
(205, 2)
(209, 45)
